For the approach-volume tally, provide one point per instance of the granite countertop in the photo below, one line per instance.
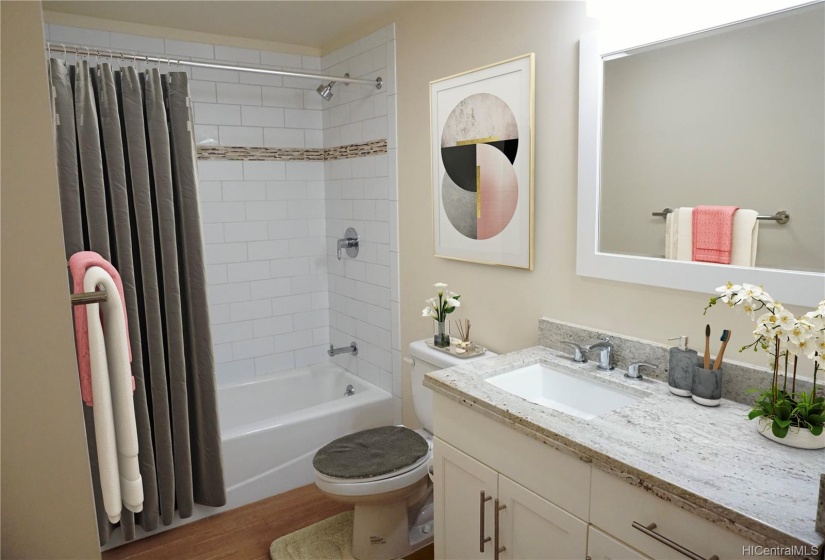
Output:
(709, 461)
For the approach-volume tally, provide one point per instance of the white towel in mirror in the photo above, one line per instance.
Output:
(684, 234)
(670, 236)
(745, 233)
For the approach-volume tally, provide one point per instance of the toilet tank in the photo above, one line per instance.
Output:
(426, 359)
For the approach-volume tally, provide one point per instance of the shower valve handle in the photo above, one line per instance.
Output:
(349, 243)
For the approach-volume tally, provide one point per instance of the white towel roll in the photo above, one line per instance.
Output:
(102, 411)
(670, 235)
(745, 234)
(112, 383)
(684, 228)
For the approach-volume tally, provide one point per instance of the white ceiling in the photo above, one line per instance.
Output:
(309, 23)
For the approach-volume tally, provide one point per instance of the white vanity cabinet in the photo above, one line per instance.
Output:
(478, 509)
(601, 546)
(474, 454)
(550, 504)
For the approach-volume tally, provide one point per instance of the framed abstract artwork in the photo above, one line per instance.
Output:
(481, 126)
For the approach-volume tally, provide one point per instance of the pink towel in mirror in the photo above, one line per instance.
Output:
(713, 233)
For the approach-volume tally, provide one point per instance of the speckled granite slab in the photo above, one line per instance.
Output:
(708, 461)
(739, 378)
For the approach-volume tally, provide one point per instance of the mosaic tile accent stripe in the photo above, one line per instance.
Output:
(255, 153)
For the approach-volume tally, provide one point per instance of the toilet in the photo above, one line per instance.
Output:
(384, 472)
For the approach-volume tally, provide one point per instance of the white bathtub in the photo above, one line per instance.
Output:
(272, 426)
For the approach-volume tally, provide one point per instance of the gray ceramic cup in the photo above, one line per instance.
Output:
(707, 386)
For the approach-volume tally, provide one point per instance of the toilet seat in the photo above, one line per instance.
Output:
(387, 482)
(367, 487)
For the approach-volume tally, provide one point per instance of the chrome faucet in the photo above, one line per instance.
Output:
(351, 349)
(634, 370)
(605, 348)
(578, 352)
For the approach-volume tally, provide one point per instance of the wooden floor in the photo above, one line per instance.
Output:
(244, 533)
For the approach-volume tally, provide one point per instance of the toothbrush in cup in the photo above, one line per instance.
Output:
(725, 338)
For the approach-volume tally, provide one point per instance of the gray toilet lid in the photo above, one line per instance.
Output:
(370, 453)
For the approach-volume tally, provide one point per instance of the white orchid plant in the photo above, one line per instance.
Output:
(782, 336)
(439, 307)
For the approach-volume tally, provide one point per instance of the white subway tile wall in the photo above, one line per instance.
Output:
(278, 295)
(362, 193)
(266, 261)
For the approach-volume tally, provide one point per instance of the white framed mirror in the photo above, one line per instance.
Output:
(620, 239)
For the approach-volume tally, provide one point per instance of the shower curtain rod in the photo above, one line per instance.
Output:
(107, 53)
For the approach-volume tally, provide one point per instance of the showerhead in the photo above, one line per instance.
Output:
(325, 91)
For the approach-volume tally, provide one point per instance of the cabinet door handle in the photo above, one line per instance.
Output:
(649, 531)
(481, 538)
(498, 549)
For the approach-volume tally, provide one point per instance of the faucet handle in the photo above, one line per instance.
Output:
(578, 352)
(633, 370)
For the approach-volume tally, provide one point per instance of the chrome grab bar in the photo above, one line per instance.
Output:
(481, 538)
(649, 531)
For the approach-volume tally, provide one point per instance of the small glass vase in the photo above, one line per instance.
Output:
(441, 334)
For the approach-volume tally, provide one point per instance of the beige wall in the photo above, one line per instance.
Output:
(47, 507)
(437, 39)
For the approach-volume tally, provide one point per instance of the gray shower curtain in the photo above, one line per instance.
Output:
(128, 190)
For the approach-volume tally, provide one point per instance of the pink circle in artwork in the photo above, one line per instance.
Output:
(497, 194)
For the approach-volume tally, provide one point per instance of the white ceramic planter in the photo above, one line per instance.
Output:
(801, 439)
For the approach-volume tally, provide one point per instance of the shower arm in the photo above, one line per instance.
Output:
(81, 51)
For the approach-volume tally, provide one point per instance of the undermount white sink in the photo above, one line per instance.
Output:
(569, 393)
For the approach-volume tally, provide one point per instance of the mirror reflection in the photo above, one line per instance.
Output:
(726, 128)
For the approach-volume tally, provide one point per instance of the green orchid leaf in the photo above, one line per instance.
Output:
(781, 423)
(816, 418)
(779, 431)
(755, 413)
(816, 430)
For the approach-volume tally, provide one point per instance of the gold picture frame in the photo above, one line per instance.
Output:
(482, 136)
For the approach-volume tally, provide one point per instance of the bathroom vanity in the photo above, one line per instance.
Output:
(659, 477)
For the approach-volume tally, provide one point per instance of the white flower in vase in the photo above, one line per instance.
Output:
(781, 335)
(438, 308)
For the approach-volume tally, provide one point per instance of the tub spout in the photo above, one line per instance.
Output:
(351, 349)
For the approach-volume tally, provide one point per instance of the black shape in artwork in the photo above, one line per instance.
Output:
(508, 147)
(460, 164)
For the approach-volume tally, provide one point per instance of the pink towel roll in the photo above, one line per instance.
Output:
(79, 263)
(713, 233)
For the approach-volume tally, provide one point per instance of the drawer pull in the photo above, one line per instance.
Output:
(481, 539)
(498, 549)
(649, 531)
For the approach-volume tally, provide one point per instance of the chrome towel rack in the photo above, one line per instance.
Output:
(782, 217)
(86, 298)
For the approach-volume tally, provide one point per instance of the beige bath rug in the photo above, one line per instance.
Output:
(330, 539)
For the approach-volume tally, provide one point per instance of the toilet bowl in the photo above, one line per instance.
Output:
(384, 472)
